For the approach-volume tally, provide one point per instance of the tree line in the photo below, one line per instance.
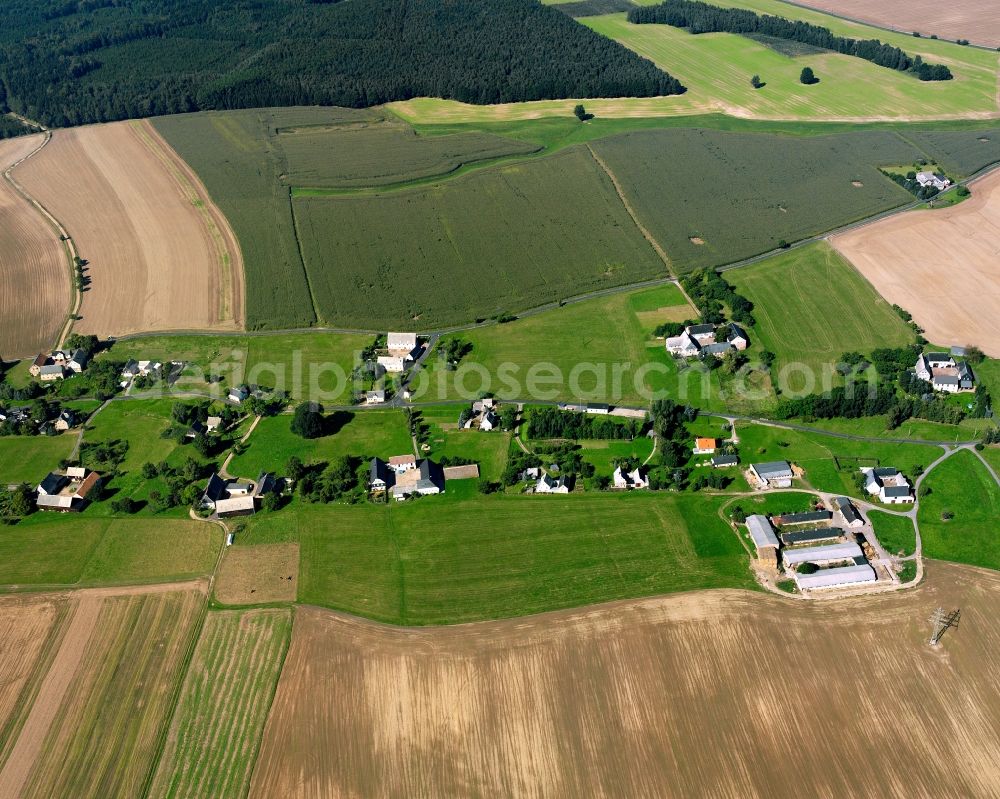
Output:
(66, 63)
(554, 423)
(700, 17)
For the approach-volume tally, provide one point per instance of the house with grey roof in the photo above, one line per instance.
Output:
(236, 497)
(701, 340)
(723, 461)
(932, 179)
(805, 517)
(424, 480)
(851, 516)
(888, 484)
(773, 474)
(552, 485)
(77, 362)
(51, 372)
(944, 373)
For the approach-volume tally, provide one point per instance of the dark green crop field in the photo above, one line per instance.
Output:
(357, 156)
(741, 194)
(960, 152)
(502, 239)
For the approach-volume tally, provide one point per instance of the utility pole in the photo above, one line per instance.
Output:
(941, 620)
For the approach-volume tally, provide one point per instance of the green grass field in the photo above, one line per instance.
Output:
(314, 365)
(27, 459)
(463, 558)
(503, 239)
(227, 692)
(489, 449)
(71, 549)
(716, 68)
(895, 533)
(812, 306)
(596, 350)
(367, 433)
(962, 487)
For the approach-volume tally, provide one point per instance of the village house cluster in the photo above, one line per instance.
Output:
(700, 340)
(58, 364)
(235, 497)
(68, 491)
(404, 476)
(944, 373)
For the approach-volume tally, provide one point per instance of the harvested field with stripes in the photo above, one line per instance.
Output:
(95, 725)
(721, 693)
(34, 270)
(225, 701)
(160, 256)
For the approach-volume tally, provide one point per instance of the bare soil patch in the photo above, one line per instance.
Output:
(723, 693)
(975, 20)
(857, 184)
(161, 256)
(253, 575)
(939, 265)
(34, 272)
(696, 240)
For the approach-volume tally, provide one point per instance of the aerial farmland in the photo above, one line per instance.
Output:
(575, 398)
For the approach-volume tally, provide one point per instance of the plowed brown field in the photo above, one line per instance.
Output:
(34, 275)
(940, 265)
(161, 256)
(976, 20)
(721, 694)
(96, 722)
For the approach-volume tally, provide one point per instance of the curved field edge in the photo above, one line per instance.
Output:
(554, 704)
(223, 705)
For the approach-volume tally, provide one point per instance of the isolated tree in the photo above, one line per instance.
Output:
(581, 113)
(808, 77)
(756, 82)
(294, 468)
(308, 420)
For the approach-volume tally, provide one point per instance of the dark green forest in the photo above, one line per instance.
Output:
(700, 17)
(66, 62)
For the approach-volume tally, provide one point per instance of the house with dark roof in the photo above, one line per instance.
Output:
(77, 362)
(737, 336)
(700, 340)
(806, 517)
(425, 479)
(628, 480)
(67, 493)
(851, 516)
(944, 373)
(65, 421)
(552, 485)
(380, 476)
(722, 461)
(888, 484)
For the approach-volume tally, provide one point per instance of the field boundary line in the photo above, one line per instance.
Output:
(302, 257)
(68, 245)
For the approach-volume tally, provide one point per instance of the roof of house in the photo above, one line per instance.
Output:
(216, 488)
(896, 491)
(847, 508)
(402, 460)
(725, 460)
(773, 469)
(379, 471)
(52, 483)
(946, 380)
(88, 485)
(52, 369)
(706, 443)
(937, 356)
(885, 471)
(40, 360)
(761, 531)
(719, 346)
(696, 330)
(826, 553)
(235, 504)
(803, 518)
(80, 356)
(491, 418)
(54, 501)
(810, 536)
(736, 330)
(76, 472)
(842, 575)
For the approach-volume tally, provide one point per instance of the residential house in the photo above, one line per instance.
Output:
(888, 484)
(238, 394)
(213, 423)
(66, 420)
(944, 373)
(401, 342)
(552, 485)
(774, 474)
(375, 397)
(424, 479)
(59, 358)
(722, 461)
(629, 480)
(683, 345)
(705, 446)
(531, 473)
(393, 363)
(482, 405)
(764, 539)
(67, 493)
(489, 421)
(236, 497)
(738, 336)
(852, 518)
(77, 362)
(380, 475)
(36, 365)
(599, 408)
(939, 182)
(703, 334)
(402, 463)
(51, 372)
